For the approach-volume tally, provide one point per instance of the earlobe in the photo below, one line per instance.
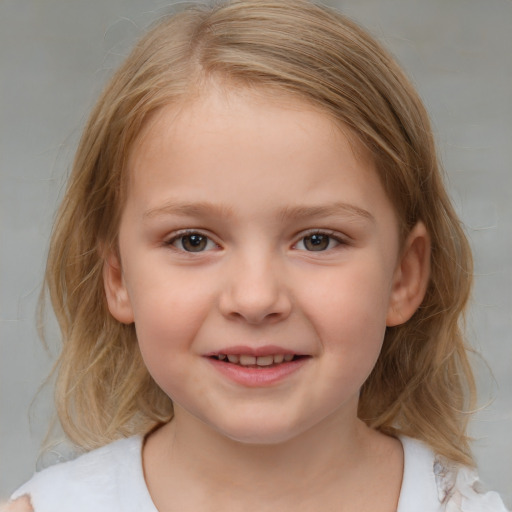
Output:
(411, 276)
(116, 293)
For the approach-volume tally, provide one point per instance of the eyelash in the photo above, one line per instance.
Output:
(188, 234)
(330, 235)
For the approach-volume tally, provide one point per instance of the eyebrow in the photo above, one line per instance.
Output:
(195, 209)
(203, 208)
(328, 210)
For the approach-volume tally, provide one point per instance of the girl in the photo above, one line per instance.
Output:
(259, 278)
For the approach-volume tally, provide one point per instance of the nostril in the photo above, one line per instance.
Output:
(255, 301)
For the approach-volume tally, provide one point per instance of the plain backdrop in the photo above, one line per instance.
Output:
(55, 55)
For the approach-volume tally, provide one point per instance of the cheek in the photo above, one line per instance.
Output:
(166, 328)
(168, 313)
(348, 309)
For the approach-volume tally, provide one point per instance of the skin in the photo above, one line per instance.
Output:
(20, 505)
(257, 177)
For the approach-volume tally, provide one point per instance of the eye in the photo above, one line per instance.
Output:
(192, 242)
(318, 242)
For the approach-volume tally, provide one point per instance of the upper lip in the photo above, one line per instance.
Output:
(264, 350)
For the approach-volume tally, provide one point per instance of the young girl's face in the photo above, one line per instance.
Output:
(253, 233)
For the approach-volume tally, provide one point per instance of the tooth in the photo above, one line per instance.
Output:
(278, 358)
(264, 360)
(247, 360)
(232, 358)
(288, 357)
(221, 357)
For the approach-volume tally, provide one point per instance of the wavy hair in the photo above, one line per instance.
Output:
(422, 384)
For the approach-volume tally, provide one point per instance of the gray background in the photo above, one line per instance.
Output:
(56, 54)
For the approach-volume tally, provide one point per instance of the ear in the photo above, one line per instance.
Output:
(411, 277)
(118, 299)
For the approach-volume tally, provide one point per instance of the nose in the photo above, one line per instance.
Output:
(254, 291)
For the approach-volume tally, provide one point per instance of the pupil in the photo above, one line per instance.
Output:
(316, 242)
(194, 243)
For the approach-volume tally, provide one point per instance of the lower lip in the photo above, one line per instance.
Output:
(257, 377)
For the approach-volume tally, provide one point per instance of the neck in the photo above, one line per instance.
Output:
(334, 455)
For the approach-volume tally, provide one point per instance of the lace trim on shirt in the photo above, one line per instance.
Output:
(460, 490)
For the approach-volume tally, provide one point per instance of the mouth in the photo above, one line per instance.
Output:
(253, 361)
(256, 367)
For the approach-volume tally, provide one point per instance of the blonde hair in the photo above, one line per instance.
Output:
(422, 383)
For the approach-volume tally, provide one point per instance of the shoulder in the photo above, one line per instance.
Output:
(99, 480)
(432, 483)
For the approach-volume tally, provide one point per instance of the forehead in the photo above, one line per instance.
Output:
(275, 148)
(212, 109)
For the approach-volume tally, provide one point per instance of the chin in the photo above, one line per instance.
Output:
(261, 439)
(259, 433)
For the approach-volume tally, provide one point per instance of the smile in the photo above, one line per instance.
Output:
(256, 361)
(257, 367)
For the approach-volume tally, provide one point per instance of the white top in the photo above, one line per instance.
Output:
(111, 479)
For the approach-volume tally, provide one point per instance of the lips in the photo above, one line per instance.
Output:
(262, 356)
(254, 361)
(255, 367)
